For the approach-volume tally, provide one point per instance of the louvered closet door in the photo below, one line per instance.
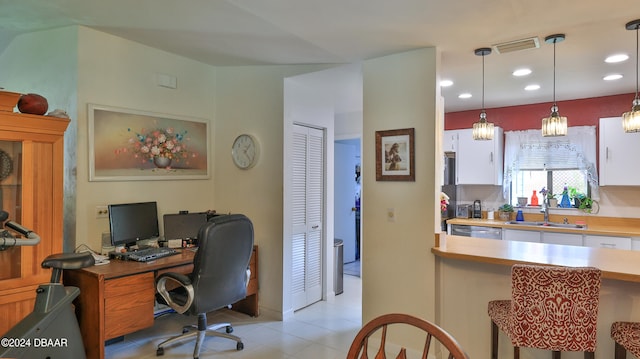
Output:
(307, 204)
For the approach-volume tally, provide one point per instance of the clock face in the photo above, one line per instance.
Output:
(244, 151)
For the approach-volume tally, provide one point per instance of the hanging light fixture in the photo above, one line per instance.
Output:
(554, 125)
(631, 119)
(483, 130)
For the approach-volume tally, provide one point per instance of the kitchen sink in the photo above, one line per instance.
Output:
(548, 224)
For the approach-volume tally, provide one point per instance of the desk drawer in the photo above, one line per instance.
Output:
(128, 304)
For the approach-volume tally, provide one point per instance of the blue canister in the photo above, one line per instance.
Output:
(520, 216)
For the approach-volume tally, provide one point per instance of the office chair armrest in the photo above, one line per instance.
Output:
(180, 279)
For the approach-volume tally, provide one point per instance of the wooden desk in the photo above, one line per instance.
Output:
(118, 298)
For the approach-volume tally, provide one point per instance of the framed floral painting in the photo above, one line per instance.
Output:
(128, 145)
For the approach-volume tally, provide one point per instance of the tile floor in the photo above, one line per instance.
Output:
(352, 268)
(322, 330)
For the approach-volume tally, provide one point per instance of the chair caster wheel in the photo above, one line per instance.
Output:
(229, 329)
(160, 352)
(240, 346)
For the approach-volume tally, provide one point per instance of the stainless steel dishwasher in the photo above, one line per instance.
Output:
(476, 231)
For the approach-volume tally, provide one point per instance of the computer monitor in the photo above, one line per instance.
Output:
(131, 222)
(183, 226)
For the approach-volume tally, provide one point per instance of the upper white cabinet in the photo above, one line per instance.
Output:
(619, 161)
(479, 162)
(450, 141)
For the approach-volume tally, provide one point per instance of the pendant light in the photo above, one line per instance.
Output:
(554, 125)
(483, 130)
(631, 119)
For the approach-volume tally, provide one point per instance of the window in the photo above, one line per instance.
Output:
(526, 181)
(533, 162)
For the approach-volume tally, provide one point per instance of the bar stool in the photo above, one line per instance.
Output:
(626, 335)
(551, 308)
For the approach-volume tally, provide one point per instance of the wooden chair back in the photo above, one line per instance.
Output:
(359, 346)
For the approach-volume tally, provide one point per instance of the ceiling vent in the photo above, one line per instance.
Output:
(517, 45)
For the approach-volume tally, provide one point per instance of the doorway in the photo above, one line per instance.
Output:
(347, 202)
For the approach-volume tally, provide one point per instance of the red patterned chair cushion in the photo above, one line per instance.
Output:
(500, 312)
(627, 334)
(551, 308)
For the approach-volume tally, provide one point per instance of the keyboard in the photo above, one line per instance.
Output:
(147, 254)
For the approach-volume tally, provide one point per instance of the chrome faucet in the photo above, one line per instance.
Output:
(545, 209)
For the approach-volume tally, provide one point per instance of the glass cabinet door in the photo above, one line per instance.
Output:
(10, 202)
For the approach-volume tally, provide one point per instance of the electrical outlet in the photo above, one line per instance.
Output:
(102, 212)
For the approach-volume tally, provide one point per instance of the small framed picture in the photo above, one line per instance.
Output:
(395, 155)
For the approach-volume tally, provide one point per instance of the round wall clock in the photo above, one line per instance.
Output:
(244, 151)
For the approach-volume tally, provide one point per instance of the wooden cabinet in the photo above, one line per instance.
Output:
(250, 305)
(479, 162)
(31, 191)
(619, 163)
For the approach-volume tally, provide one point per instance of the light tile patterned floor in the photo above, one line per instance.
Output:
(322, 330)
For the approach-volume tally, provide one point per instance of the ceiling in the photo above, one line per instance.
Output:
(250, 32)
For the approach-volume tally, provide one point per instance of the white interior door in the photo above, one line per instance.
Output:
(307, 220)
(344, 215)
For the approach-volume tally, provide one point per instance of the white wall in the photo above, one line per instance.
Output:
(116, 72)
(400, 91)
(250, 100)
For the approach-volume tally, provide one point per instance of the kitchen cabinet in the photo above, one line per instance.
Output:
(521, 235)
(450, 141)
(479, 162)
(31, 191)
(619, 163)
(607, 242)
(569, 239)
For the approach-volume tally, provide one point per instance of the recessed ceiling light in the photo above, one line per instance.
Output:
(612, 77)
(532, 87)
(521, 72)
(464, 95)
(616, 58)
(446, 83)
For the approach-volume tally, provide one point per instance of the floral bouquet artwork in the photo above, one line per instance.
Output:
(135, 145)
(160, 146)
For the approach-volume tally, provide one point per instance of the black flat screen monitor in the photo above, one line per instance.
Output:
(131, 222)
(183, 226)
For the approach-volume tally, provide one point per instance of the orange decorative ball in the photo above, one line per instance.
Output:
(33, 104)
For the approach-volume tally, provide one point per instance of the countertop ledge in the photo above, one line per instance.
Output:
(614, 263)
(606, 226)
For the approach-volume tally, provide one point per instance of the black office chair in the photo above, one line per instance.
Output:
(219, 278)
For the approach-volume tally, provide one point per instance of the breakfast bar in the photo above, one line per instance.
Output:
(473, 271)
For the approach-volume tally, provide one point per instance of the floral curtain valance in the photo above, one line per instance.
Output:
(528, 150)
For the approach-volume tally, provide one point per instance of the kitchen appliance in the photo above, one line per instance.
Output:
(476, 231)
(464, 211)
(477, 209)
(449, 187)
